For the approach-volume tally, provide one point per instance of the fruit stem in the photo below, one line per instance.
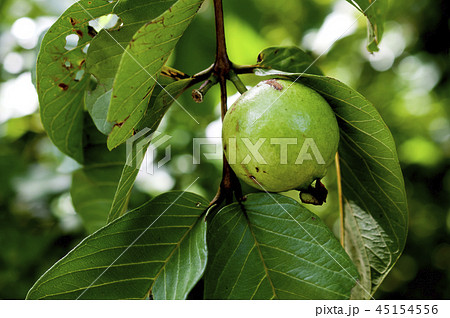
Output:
(199, 94)
(237, 82)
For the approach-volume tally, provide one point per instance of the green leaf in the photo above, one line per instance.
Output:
(375, 11)
(107, 48)
(94, 185)
(276, 249)
(59, 86)
(185, 268)
(356, 248)
(139, 67)
(288, 59)
(372, 181)
(139, 143)
(127, 258)
(97, 104)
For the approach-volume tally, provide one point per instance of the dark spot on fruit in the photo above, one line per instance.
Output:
(257, 169)
(91, 31)
(63, 86)
(254, 179)
(274, 84)
(79, 32)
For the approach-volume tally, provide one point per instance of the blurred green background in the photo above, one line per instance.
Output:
(408, 81)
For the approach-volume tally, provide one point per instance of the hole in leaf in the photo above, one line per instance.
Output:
(86, 48)
(104, 22)
(79, 75)
(71, 42)
(68, 64)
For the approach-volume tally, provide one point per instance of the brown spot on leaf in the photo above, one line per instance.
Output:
(79, 32)
(67, 65)
(274, 83)
(168, 72)
(159, 20)
(91, 31)
(260, 58)
(73, 21)
(63, 86)
(119, 124)
(82, 62)
(257, 169)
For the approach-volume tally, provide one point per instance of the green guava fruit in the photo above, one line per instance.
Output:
(279, 136)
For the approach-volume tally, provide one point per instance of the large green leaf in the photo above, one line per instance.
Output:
(375, 11)
(107, 48)
(127, 258)
(94, 185)
(61, 83)
(276, 249)
(158, 106)
(141, 64)
(372, 181)
(288, 59)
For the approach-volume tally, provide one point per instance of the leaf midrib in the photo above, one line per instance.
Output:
(258, 248)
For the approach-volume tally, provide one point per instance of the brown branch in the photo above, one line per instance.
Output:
(222, 67)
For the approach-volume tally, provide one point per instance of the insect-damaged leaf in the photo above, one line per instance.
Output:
(138, 145)
(61, 77)
(139, 67)
(107, 48)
